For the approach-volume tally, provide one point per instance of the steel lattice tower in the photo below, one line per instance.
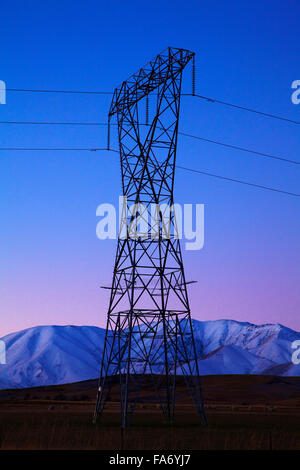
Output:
(149, 327)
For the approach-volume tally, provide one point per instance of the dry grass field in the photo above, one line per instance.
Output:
(244, 412)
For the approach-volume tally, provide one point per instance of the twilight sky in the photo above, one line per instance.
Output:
(51, 263)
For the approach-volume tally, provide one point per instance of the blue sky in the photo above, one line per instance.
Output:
(246, 53)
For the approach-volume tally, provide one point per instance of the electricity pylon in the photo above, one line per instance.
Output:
(149, 328)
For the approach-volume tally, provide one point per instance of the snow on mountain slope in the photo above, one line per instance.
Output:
(48, 355)
(269, 341)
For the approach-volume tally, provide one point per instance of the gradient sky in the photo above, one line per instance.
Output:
(51, 263)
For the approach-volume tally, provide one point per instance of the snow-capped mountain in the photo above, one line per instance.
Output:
(49, 355)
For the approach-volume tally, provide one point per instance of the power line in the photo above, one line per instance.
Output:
(56, 123)
(243, 108)
(243, 149)
(206, 98)
(55, 149)
(61, 91)
(234, 147)
(238, 181)
(95, 149)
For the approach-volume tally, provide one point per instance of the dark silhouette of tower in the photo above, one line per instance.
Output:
(149, 328)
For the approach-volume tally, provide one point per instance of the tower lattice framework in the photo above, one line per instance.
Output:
(149, 329)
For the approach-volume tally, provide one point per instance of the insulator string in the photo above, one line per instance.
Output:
(108, 133)
(147, 110)
(193, 77)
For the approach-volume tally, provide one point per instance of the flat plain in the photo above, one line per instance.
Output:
(244, 413)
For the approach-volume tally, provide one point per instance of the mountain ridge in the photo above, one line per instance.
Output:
(54, 354)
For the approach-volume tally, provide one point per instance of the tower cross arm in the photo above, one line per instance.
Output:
(170, 62)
